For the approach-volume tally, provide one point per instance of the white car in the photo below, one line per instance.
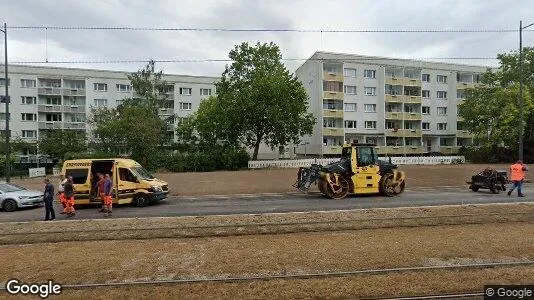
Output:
(13, 197)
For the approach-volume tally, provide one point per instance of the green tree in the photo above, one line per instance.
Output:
(259, 100)
(491, 110)
(57, 142)
(135, 126)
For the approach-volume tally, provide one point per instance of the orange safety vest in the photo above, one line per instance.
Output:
(517, 172)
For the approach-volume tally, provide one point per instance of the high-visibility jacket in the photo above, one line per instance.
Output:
(517, 172)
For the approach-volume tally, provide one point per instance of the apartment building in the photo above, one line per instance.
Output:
(404, 107)
(45, 98)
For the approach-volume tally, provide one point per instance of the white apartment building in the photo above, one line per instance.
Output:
(404, 107)
(44, 98)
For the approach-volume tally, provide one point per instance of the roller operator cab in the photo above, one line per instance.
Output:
(131, 182)
(359, 171)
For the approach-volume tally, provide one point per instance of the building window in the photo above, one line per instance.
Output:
(185, 105)
(441, 79)
(29, 117)
(101, 87)
(442, 126)
(29, 100)
(53, 117)
(442, 94)
(331, 142)
(119, 102)
(100, 102)
(391, 125)
(426, 110)
(329, 123)
(3, 81)
(425, 77)
(370, 124)
(369, 74)
(460, 126)
(370, 108)
(425, 126)
(29, 134)
(370, 91)
(350, 90)
(77, 118)
(27, 83)
(53, 101)
(442, 111)
(425, 93)
(169, 104)
(350, 124)
(205, 92)
(349, 72)
(350, 107)
(123, 88)
(185, 91)
(330, 69)
(181, 120)
(409, 125)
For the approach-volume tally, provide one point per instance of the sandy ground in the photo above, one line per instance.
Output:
(161, 259)
(280, 180)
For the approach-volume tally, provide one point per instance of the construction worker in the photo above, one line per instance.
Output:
(517, 175)
(108, 199)
(69, 196)
(61, 193)
(49, 201)
(100, 191)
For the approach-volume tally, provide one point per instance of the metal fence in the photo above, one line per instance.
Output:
(297, 163)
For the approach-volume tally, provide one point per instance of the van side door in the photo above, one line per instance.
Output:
(80, 179)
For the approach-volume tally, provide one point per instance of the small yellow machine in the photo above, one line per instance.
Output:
(358, 172)
(131, 182)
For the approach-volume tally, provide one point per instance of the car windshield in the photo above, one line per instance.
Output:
(8, 187)
(142, 173)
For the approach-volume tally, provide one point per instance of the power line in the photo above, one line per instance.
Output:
(230, 60)
(128, 28)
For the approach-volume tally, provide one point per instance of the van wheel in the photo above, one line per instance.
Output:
(141, 200)
(9, 205)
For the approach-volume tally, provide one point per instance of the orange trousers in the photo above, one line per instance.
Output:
(107, 200)
(63, 201)
(70, 205)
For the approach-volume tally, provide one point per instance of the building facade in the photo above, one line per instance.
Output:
(404, 107)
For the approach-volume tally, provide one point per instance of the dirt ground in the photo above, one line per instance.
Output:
(280, 180)
(298, 253)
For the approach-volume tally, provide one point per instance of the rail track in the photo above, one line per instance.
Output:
(235, 229)
(321, 275)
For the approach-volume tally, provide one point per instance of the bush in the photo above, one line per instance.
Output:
(488, 154)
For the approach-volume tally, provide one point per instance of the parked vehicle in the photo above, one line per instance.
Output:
(491, 179)
(132, 184)
(13, 197)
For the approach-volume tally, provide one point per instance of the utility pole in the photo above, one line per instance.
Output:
(6, 99)
(521, 102)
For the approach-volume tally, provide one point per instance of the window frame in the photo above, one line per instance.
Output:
(423, 110)
(370, 122)
(98, 84)
(372, 105)
(365, 73)
(182, 89)
(350, 86)
(353, 122)
(352, 69)
(182, 105)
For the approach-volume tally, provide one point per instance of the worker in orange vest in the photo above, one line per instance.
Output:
(61, 193)
(517, 175)
(69, 196)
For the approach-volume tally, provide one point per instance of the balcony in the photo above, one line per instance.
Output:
(49, 108)
(411, 82)
(394, 115)
(333, 95)
(466, 85)
(414, 150)
(393, 150)
(333, 132)
(332, 150)
(73, 92)
(463, 134)
(51, 125)
(49, 91)
(74, 109)
(74, 125)
(460, 118)
(394, 98)
(412, 99)
(166, 111)
(404, 132)
(332, 76)
(460, 101)
(333, 113)
(412, 116)
(449, 149)
(394, 81)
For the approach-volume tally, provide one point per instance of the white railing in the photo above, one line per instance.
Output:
(297, 163)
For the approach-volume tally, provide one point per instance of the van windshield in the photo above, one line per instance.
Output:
(142, 173)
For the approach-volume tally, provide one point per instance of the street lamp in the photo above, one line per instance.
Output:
(521, 117)
(6, 100)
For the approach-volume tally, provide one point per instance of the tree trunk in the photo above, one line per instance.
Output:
(256, 148)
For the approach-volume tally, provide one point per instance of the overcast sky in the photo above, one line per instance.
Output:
(36, 45)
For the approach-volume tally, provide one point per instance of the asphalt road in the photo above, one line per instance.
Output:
(282, 202)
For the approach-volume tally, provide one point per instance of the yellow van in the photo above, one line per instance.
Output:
(131, 182)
